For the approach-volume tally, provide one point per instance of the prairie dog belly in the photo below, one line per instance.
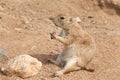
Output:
(68, 52)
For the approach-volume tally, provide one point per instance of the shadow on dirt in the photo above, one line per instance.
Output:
(110, 5)
(43, 57)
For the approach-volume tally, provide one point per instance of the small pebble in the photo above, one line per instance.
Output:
(1, 8)
(93, 21)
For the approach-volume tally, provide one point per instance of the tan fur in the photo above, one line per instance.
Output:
(79, 46)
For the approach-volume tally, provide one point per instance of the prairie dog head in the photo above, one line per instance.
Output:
(64, 21)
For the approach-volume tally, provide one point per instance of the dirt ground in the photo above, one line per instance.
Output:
(25, 28)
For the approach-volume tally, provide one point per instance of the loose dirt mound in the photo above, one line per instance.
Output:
(25, 28)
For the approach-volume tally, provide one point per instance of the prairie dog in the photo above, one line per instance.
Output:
(79, 46)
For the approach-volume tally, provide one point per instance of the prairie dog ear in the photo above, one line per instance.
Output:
(78, 20)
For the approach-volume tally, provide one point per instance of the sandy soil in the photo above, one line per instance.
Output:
(25, 28)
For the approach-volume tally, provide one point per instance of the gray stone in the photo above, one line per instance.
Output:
(3, 55)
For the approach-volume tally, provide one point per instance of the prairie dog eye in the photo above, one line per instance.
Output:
(62, 18)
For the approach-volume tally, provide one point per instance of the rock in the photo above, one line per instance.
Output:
(25, 20)
(3, 55)
(93, 22)
(1, 8)
(18, 29)
(78, 20)
(115, 2)
(23, 66)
